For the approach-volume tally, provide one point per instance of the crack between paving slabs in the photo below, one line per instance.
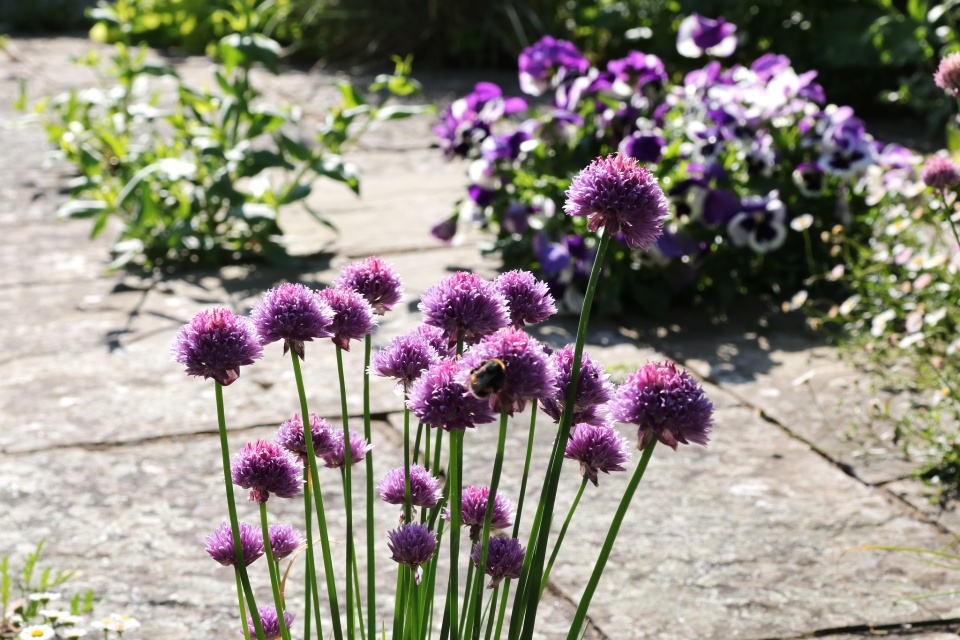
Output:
(897, 629)
(842, 466)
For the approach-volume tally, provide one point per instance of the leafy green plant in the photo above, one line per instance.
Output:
(25, 596)
(912, 37)
(198, 176)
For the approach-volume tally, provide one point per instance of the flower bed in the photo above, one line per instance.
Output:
(754, 161)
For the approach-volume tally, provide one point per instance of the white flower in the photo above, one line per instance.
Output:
(37, 632)
(116, 622)
(797, 301)
(51, 614)
(879, 322)
(911, 340)
(73, 632)
(44, 596)
(895, 227)
(801, 222)
(914, 321)
(934, 317)
(849, 304)
(836, 273)
(70, 620)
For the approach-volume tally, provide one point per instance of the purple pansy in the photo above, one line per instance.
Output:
(215, 344)
(698, 35)
(548, 61)
(761, 223)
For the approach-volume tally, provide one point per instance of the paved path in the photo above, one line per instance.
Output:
(109, 452)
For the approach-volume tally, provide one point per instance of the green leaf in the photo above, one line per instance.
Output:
(298, 192)
(81, 209)
(398, 112)
(351, 97)
(953, 138)
(255, 211)
(333, 166)
(237, 49)
(917, 9)
(321, 219)
(104, 13)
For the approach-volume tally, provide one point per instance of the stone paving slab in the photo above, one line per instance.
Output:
(109, 449)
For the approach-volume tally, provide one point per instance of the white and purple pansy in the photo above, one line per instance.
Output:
(760, 224)
(698, 35)
(548, 62)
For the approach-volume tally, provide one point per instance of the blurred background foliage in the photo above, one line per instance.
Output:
(875, 55)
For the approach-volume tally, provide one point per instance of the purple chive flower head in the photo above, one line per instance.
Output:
(412, 544)
(940, 173)
(665, 404)
(292, 313)
(353, 315)
(336, 458)
(504, 559)
(698, 35)
(466, 306)
(219, 544)
(597, 448)
(375, 280)
(473, 509)
(270, 622)
(526, 370)
(528, 299)
(290, 436)
(947, 76)
(284, 540)
(435, 338)
(265, 467)
(593, 387)
(405, 358)
(619, 196)
(438, 399)
(215, 343)
(425, 490)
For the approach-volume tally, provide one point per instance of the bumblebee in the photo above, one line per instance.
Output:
(487, 378)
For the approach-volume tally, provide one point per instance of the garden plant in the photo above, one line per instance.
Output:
(774, 193)
(31, 608)
(469, 363)
(198, 177)
(900, 303)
